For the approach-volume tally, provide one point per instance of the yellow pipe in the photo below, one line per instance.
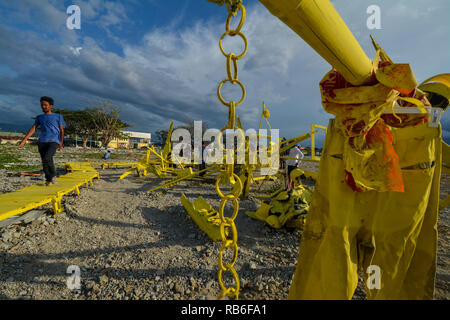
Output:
(313, 143)
(320, 25)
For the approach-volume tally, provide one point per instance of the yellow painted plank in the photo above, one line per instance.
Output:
(28, 198)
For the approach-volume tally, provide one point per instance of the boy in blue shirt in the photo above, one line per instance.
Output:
(50, 139)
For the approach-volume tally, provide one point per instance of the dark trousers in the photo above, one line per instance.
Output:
(202, 167)
(47, 150)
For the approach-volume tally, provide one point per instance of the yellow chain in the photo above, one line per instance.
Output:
(232, 5)
(228, 169)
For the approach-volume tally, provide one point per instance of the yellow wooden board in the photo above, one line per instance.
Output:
(23, 200)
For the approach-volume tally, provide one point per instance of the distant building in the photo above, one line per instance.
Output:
(133, 140)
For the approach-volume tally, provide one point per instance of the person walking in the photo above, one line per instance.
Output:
(283, 154)
(50, 139)
(295, 155)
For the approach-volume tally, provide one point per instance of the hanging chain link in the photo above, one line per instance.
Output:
(227, 174)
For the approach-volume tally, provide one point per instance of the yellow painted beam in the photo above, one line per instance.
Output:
(204, 216)
(313, 141)
(23, 200)
(320, 25)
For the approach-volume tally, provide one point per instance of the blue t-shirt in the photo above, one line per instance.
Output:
(49, 124)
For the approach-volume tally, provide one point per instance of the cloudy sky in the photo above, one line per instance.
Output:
(160, 60)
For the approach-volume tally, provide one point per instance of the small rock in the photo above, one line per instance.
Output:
(7, 235)
(103, 279)
(36, 222)
(90, 285)
(61, 215)
(179, 288)
(129, 289)
(96, 288)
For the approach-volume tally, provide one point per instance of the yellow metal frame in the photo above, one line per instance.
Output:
(23, 200)
(320, 25)
(313, 148)
(103, 165)
(159, 166)
(186, 175)
(204, 216)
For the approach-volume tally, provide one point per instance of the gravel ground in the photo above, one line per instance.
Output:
(133, 245)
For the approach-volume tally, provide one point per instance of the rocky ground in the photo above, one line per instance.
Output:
(130, 244)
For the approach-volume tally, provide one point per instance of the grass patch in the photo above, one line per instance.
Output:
(5, 157)
(24, 167)
(7, 160)
(91, 155)
(10, 162)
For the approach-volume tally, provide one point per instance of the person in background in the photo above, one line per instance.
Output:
(50, 139)
(295, 155)
(283, 154)
(107, 155)
(209, 153)
(203, 164)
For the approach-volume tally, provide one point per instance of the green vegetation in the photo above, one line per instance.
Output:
(8, 161)
(24, 167)
(5, 157)
(13, 158)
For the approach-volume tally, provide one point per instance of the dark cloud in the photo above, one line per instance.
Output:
(173, 73)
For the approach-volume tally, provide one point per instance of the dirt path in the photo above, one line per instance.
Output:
(130, 244)
(133, 245)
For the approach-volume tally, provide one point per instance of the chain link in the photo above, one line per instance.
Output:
(229, 239)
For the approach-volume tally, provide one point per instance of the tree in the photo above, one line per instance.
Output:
(189, 126)
(161, 137)
(106, 119)
(79, 123)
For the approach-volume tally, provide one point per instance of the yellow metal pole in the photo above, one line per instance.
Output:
(313, 131)
(320, 25)
(313, 149)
